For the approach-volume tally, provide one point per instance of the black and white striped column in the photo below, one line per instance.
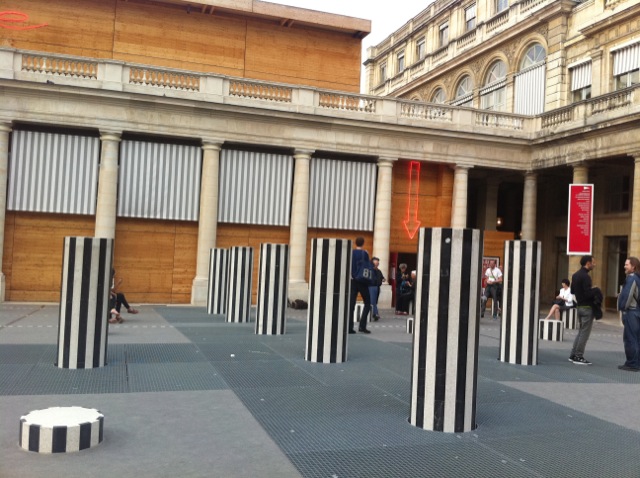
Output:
(240, 275)
(273, 280)
(61, 429)
(551, 330)
(445, 333)
(84, 302)
(329, 289)
(520, 302)
(570, 318)
(218, 281)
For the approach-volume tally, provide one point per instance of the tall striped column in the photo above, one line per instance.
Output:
(329, 289)
(84, 302)
(240, 275)
(445, 333)
(273, 281)
(520, 302)
(218, 281)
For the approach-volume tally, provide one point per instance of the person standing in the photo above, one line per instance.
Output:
(494, 279)
(629, 305)
(374, 290)
(402, 281)
(584, 292)
(359, 258)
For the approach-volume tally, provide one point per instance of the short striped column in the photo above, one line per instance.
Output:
(84, 302)
(551, 330)
(446, 327)
(239, 292)
(61, 429)
(329, 289)
(520, 302)
(218, 281)
(273, 280)
(409, 325)
(569, 318)
(357, 313)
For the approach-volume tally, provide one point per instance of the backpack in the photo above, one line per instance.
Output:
(365, 273)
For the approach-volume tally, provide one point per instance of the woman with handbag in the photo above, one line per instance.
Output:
(563, 301)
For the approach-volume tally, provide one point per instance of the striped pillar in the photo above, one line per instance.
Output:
(84, 302)
(240, 274)
(218, 281)
(520, 302)
(569, 318)
(273, 281)
(445, 333)
(329, 289)
(551, 330)
(409, 325)
(61, 429)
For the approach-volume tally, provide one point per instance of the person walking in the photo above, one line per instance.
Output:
(584, 293)
(493, 274)
(374, 290)
(359, 259)
(629, 305)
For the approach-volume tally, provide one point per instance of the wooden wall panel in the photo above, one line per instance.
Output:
(435, 194)
(156, 259)
(33, 253)
(494, 243)
(166, 36)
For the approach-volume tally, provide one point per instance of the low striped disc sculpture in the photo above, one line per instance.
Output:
(446, 329)
(240, 282)
(329, 289)
(273, 280)
(520, 302)
(218, 281)
(569, 318)
(84, 302)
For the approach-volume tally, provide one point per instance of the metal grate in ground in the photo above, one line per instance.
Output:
(174, 377)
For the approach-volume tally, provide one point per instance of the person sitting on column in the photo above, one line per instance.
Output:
(117, 300)
(494, 279)
(374, 290)
(402, 285)
(563, 301)
(359, 260)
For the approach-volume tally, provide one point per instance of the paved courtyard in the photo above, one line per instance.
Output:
(187, 395)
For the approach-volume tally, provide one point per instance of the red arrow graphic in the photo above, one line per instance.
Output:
(411, 223)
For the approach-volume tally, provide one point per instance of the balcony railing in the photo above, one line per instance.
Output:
(164, 79)
(60, 66)
(260, 91)
(431, 112)
(497, 21)
(499, 120)
(337, 101)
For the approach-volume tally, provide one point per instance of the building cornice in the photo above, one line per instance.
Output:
(611, 20)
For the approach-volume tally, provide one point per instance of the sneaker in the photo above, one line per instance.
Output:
(364, 331)
(572, 358)
(581, 361)
(628, 369)
(351, 331)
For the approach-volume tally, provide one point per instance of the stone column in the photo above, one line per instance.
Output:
(382, 226)
(580, 176)
(634, 240)
(459, 205)
(208, 220)
(298, 287)
(108, 185)
(5, 129)
(491, 204)
(529, 201)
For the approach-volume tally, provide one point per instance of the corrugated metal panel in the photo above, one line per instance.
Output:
(50, 172)
(255, 188)
(342, 194)
(159, 181)
(530, 90)
(626, 59)
(581, 76)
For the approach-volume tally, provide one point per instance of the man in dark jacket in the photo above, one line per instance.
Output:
(583, 290)
(629, 305)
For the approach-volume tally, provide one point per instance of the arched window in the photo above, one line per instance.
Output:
(438, 96)
(530, 81)
(493, 95)
(464, 92)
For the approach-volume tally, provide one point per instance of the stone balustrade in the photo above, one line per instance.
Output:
(466, 39)
(339, 101)
(260, 91)
(426, 111)
(497, 21)
(59, 66)
(164, 79)
(499, 120)
(613, 101)
(556, 117)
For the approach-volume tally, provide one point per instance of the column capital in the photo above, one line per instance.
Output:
(110, 135)
(635, 155)
(303, 153)
(461, 166)
(386, 161)
(530, 174)
(212, 144)
(5, 127)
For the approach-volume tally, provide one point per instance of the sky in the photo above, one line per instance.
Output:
(385, 17)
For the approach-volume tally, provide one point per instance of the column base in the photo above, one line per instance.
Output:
(298, 290)
(3, 284)
(386, 294)
(200, 291)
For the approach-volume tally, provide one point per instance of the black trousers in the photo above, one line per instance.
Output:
(363, 289)
(118, 301)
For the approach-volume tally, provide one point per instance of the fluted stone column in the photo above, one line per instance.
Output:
(382, 226)
(580, 176)
(208, 220)
(298, 287)
(634, 243)
(5, 129)
(108, 185)
(460, 187)
(529, 201)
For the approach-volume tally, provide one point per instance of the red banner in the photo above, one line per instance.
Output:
(580, 221)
